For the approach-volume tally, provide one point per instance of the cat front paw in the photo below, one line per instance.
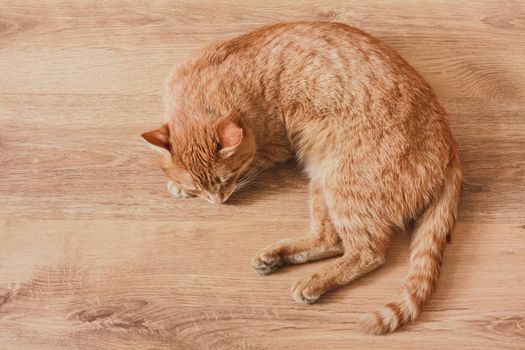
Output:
(176, 191)
(306, 290)
(265, 262)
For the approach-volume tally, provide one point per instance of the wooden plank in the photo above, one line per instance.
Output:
(114, 49)
(94, 253)
(96, 281)
(60, 168)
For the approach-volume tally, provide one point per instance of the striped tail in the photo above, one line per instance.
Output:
(426, 253)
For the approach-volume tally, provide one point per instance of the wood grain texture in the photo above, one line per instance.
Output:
(95, 254)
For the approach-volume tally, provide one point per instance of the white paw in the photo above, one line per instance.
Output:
(176, 191)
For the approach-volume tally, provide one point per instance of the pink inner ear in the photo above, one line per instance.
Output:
(230, 135)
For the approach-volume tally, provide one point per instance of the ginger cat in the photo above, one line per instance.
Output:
(365, 126)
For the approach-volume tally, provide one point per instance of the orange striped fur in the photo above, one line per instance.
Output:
(365, 126)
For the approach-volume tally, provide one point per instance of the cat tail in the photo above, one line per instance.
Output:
(426, 252)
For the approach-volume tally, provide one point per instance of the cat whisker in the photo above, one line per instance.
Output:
(247, 179)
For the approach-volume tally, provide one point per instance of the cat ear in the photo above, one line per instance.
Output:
(158, 139)
(230, 134)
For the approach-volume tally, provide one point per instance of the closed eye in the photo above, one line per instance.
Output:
(189, 188)
(192, 192)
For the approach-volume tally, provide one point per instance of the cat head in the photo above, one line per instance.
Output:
(207, 160)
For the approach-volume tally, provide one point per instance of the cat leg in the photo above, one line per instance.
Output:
(360, 221)
(322, 242)
(364, 251)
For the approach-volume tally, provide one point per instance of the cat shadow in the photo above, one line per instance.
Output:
(283, 179)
